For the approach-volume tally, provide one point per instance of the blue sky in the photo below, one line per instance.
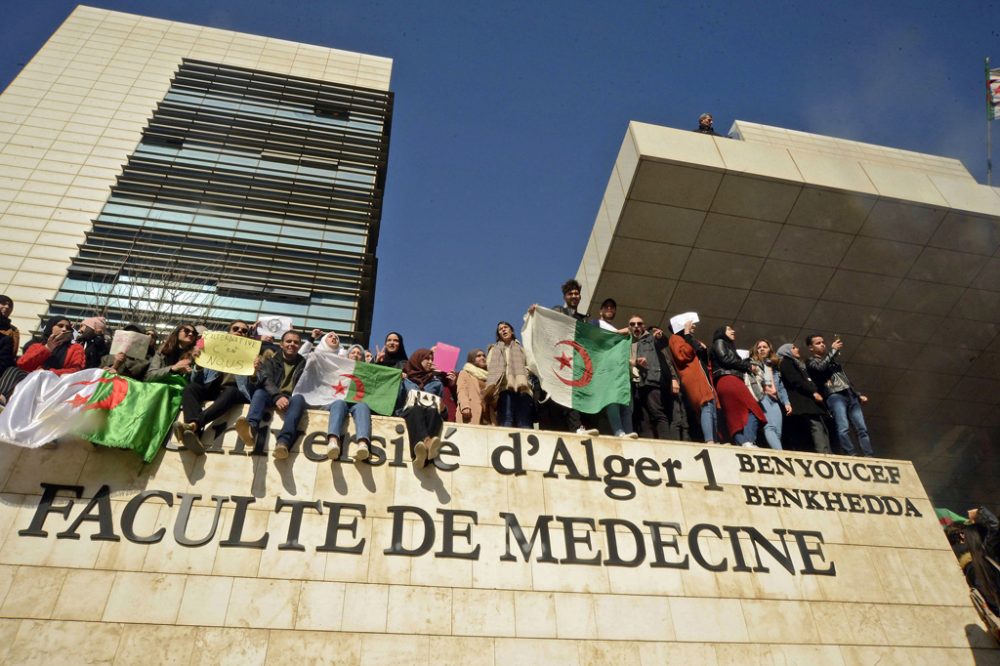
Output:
(509, 116)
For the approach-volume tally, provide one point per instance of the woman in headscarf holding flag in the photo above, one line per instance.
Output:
(329, 346)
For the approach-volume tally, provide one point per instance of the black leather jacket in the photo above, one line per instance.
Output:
(725, 360)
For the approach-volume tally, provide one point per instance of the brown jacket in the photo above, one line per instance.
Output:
(694, 381)
(470, 396)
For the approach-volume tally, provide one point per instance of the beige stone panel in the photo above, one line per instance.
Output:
(161, 595)
(594, 653)
(205, 601)
(897, 656)
(33, 592)
(676, 654)
(718, 620)
(535, 615)
(489, 572)
(351, 567)
(461, 651)
(171, 557)
(225, 647)
(572, 577)
(934, 577)
(124, 555)
(779, 621)
(426, 488)
(646, 580)
(726, 507)
(826, 522)
(476, 488)
(483, 613)
(60, 465)
(385, 650)
(384, 568)
(622, 617)
(888, 569)
(856, 578)
(576, 616)
(536, 652)
(525, 497)
(123, 471)
(295, 648)
(84, 595)
(814, 655)
(321, 606)
(19, 549)
(419, 610)
(308, 564)
(265, 604)
(570, 497)
(365, 607)
(8, 630)
(849, 623)
(51, 642)
(155, 644)
(374, 487)
(444, 572)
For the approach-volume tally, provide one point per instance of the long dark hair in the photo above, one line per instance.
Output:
(171, 347)
(513, 332)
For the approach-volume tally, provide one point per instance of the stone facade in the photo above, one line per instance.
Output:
(102, 592)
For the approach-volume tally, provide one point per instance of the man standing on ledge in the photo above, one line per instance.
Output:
(841, 398)
(560, 417)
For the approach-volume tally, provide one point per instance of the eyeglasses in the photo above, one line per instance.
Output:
(239, 330)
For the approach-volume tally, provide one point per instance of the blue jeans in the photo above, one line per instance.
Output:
(362, 414)
(749, 432)
(846, 409)
(773, 412)
(434, 386)
(619, 418)
(709, 416)
(514, 409)
(262, 400)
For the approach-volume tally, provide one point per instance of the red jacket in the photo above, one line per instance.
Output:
(33, 358)
(694, 381)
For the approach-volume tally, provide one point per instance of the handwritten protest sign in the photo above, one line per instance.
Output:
(445, 357)
(274, 326)
(135, 345)
(228, 353)
(677, 322)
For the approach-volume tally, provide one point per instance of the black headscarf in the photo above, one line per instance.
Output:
(57, 358)
(4, 320)
(397, 359)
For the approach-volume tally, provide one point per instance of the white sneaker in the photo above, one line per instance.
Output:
(749, 445)
(630, 435)
(433, 448)
(333, 451)
(593, 432)
(362, 453)
(420, 451)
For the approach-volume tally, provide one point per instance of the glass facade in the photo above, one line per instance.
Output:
(250, 194)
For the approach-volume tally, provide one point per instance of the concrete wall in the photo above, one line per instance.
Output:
(897, 594)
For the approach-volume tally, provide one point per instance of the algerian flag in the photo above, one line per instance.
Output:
(579, 365)
(139, 415)
(106, 409)
(328, 377)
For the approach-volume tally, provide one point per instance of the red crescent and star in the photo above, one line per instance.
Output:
(119, 389)
(566, 361)
(339, 389)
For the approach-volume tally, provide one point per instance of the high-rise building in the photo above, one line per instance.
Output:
(157, 172)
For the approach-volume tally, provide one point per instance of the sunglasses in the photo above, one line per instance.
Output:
(633, 324)
(238, 330)
(189, 331)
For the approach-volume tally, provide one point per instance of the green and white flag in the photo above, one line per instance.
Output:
(105, 408)
(579, 365)
(328, 377)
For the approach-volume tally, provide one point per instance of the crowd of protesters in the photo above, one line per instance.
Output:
(682, 388)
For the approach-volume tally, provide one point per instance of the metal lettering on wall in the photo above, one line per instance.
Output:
(658, 542)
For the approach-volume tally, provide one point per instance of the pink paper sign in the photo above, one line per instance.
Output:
(445, 357)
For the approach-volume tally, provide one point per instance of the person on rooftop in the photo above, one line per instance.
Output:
(471, 382)
(422, 407)
(843, 401)
(769, 390)
(175, 355)
(508, 384)
(695, 369)
(741, 412)
(705, 124)
(393, 353)
(808, 410)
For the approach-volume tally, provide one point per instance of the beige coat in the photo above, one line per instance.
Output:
(470, 396)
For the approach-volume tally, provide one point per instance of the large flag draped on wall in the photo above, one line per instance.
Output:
(106, 409)
(578, 364)
(328, 377)
(993, 97)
